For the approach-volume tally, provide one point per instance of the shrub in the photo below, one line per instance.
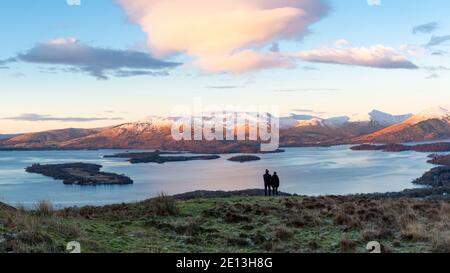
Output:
(164, 205)
(44, 208)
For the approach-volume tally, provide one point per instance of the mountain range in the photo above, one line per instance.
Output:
(295, 130)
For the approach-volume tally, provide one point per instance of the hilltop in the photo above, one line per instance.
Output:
(233, 224)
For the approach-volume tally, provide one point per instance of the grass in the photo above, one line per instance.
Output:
(235, 224)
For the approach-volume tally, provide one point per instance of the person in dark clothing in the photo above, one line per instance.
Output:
(267, 179)
(275, 183)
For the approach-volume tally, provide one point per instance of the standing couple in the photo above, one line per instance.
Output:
(271, 183)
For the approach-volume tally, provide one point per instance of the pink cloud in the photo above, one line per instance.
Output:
(378, 56)
(244, 61)
(215, 30)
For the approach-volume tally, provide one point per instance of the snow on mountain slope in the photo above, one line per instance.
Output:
(381, 118)
(438, 112)
(387, 119)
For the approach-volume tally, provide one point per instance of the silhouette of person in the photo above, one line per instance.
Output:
(275, 183)
(267, 183)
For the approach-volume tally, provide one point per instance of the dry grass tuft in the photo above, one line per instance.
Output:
(165, 205)
(346, 244)
(44, 208)
(283, 233)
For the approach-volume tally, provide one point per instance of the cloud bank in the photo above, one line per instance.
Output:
(378, 56)
(97, 62)
(224, 35)
(38, 117)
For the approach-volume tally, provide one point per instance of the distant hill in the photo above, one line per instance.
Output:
(295, 131)
(6, 136)
(47, 139)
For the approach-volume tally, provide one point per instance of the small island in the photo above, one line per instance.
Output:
(155, 157)
(79, 174)
(244, 158)
(424, 148)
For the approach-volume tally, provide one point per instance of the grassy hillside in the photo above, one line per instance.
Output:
(233, 224)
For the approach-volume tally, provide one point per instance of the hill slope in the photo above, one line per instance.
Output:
(233, 224)
(432, 124)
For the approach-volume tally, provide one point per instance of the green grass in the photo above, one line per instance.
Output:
(236, 224)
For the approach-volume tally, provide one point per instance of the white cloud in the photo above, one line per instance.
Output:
(215, 32)
(378, 56)
(342, 43)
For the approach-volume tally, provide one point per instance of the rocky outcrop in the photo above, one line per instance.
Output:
(436, 177)
(223, 194)
(440, 160)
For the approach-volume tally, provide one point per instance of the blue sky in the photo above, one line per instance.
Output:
(56, 94)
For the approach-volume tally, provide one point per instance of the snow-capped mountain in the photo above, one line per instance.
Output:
(152, 122)
(431, 124)
(380, 118)
(375, 117)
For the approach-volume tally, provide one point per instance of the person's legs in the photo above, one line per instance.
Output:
(265, 190)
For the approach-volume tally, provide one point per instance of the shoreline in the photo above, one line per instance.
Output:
(420, 193)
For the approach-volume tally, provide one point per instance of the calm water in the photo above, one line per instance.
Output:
(308, 171)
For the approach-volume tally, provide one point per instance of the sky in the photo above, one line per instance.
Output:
(95, 63)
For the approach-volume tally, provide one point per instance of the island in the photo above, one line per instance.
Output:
(79, 174)
(424, 148)
(155, 157)
(244, 158)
